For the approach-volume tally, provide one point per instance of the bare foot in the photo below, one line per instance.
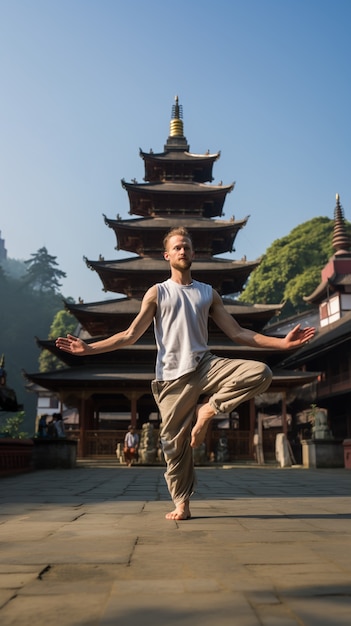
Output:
(181, 512)
(204, 415)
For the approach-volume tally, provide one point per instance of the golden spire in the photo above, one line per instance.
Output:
(341, 240)
(176, 123)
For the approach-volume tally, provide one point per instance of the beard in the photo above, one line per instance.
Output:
(182, 264)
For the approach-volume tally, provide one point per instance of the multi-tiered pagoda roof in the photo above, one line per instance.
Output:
(177, 189)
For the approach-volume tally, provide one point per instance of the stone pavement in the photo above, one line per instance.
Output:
(90, 547)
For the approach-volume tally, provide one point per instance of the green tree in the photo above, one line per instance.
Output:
(62, 324)
(15, 268)
(25, 314)
(42, 273)
(12, 426)
(291, 267)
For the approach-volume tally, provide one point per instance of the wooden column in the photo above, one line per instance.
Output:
(252, 411)
(284, 418)
(83, 423)
(133, 397)
(133, 410)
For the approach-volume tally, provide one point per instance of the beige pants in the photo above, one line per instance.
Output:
(227, 382)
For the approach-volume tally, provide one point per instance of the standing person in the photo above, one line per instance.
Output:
(42, 426)
(185, 368)
(131, 445)
(59, 425)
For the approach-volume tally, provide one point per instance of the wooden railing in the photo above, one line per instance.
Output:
(15, 456)
(335, 384)
(103, 443)
(238, 443)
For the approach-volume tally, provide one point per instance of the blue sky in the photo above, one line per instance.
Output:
(85, 83)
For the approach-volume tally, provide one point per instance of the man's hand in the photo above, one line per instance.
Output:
(298, 336)
(72, 344)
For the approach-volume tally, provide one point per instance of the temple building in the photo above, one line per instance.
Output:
(330, 350)
(111, 390)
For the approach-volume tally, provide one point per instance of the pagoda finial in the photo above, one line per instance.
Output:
(176, 123)
(341, 240)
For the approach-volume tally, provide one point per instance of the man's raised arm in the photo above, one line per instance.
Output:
(294, 339)
(127, 337)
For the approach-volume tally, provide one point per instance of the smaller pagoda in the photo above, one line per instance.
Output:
(333, 294)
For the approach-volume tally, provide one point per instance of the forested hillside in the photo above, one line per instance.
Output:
(291, 267)
(28, 306)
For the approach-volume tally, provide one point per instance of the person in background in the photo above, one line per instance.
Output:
(59, 425)
(131, 445)
(42, 426)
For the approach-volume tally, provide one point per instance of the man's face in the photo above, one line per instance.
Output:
(179, 252)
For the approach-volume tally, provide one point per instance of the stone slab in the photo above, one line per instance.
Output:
(265, 547)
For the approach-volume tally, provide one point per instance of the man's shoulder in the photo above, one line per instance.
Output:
(203, 287)
(151, 293)
(202, 284)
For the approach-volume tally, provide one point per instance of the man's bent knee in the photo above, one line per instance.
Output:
(264, 377)
(267, 374)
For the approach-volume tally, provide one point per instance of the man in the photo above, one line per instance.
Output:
(131, 444)
(185, 369)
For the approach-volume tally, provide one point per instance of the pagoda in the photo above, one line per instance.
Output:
(333, 294)
(177, 190)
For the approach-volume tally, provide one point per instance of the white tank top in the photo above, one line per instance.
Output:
(181, 327)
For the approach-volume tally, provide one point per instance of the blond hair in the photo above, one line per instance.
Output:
(178, 230)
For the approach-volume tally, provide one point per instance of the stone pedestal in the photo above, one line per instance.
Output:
(322, 453)
(282, 452)
(147, 446)
(54, 453)
(222, 454)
